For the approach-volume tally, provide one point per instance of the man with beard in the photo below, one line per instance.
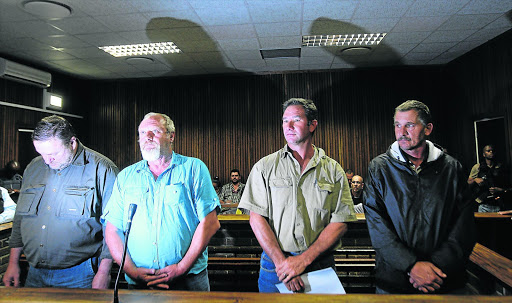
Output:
(175, 218)
(57, 223)
(299, 203)
(420, 222)
(231, 193)
(489, 181)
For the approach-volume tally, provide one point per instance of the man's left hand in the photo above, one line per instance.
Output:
(290, 268)
(171, 272)
(296, 284)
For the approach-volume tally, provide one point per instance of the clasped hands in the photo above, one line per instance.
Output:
(288, 272)
(158, 278)
(426, 277)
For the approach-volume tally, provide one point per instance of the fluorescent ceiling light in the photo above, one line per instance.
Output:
(343, 40)
(141, 49)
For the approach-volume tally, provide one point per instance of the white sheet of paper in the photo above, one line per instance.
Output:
(323, 281)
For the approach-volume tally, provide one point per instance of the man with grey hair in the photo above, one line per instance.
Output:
(57, 223)
(418, 213)
(176, 213)
(299, 202)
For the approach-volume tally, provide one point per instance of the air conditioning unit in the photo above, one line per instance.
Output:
(22, 73)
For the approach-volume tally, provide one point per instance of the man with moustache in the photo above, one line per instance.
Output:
(418, 213)
(231, 193)
(57, 223)
(175, 218)
(299, 201)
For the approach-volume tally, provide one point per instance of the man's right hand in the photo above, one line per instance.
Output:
(12, 276)
(145, 275)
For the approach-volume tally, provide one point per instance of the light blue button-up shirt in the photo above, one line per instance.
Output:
(169, 210)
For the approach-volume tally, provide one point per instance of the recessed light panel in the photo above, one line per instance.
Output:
(141, 49)
(343, 40)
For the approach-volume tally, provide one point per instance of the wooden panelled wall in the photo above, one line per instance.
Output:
(232, 121)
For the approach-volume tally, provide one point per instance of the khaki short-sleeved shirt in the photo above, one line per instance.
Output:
(298, 206)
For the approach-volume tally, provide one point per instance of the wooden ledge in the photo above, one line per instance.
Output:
(492, 262)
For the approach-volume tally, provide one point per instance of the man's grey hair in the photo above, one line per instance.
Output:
(309, 107)
(423, 112)
(53, 127)
(169, 125)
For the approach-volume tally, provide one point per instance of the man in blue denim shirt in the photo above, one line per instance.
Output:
(176, 213)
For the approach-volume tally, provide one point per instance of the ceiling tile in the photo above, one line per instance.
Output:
(235, 31)
(382, 8)
(275, 11)
(332, 9)
(462, 22)
(448, 36)
(435, 8)
(224, 15)
(278, 29)
(486, 6)
(80, 25)
(123, 23)
(280, 42)
(419, 23)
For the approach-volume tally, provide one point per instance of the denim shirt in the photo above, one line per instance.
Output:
(169, 209)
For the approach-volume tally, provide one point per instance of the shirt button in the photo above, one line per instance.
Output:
(154, 243)
(49, 207)
(54, 190)
(59, 174)
(154, 261)
(43, 227)
(41, 245)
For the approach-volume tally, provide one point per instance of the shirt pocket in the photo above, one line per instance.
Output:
(77, 202)
(174, 194)
(29, 200)
(281, 190)
(321, 210)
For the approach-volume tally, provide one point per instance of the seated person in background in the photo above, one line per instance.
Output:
(7, 206)
(231, 193)
(356, 191)
(350, 174)
(10, 178)
(217, 185)
(489, 182)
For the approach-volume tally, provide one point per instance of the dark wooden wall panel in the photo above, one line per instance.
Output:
(482, 85)
(233, 121)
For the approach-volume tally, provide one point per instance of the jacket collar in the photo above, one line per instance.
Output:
(434, 152)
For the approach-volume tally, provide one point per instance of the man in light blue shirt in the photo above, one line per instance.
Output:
(176, 213)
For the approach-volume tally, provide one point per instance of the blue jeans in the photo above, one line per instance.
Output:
(78, 276)
(268, 277)
(192, 282)
(486, 208)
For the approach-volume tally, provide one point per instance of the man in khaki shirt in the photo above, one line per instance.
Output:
(299, 200)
